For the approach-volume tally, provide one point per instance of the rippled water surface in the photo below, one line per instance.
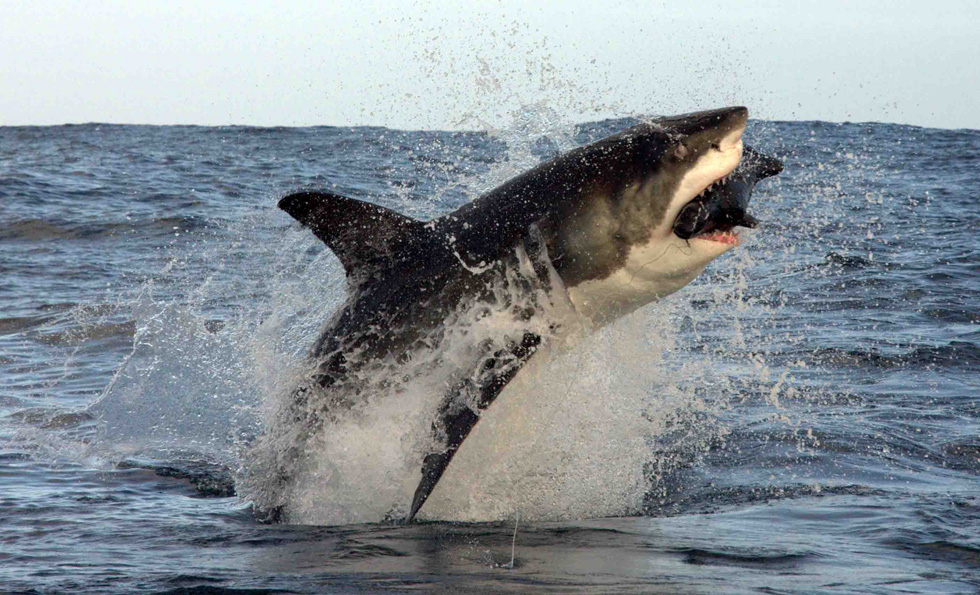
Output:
(815, 395)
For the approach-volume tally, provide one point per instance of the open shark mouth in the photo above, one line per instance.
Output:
(714, 214)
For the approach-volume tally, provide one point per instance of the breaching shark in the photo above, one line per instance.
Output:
(611, 226)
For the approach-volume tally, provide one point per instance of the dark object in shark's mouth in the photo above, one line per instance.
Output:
(724, 205)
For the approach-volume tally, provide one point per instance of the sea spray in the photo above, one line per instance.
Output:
(581, 432)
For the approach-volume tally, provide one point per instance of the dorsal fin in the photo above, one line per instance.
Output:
(364, 236)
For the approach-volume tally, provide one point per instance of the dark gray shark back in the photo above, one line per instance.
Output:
(485, 228)
(372, 239)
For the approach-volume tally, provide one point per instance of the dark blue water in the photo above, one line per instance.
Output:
(812, 402)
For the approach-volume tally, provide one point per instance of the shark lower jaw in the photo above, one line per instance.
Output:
(728, 237)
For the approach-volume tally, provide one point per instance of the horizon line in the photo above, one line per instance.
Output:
(458, 130)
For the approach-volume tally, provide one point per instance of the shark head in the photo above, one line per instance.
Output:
(692, 155)
(672, 210)
(712, 174)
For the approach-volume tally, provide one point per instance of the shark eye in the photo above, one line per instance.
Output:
(716, 146)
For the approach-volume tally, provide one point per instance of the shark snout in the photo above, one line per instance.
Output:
(722, 127)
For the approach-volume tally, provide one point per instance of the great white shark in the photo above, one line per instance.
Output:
(610, 226)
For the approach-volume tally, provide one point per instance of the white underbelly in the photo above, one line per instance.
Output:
(651, 272)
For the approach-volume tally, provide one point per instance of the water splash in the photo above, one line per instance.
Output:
(209, 377)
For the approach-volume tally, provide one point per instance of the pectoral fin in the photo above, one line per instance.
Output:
(457, 419)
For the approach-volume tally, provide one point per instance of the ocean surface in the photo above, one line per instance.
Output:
(805, 417)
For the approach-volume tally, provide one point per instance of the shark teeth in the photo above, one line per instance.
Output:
(719, 182)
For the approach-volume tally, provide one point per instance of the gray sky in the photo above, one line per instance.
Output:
(411, 64)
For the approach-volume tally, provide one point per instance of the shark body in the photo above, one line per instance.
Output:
(607, 228)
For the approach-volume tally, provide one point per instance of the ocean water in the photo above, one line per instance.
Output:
(805, 417)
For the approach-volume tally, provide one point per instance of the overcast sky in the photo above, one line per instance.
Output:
(464, 64)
